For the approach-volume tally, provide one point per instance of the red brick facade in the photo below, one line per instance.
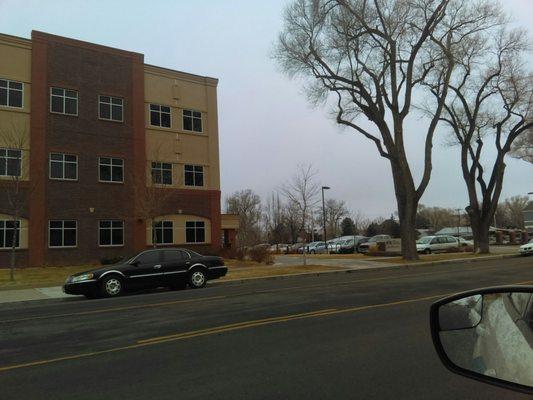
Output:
(93, 70)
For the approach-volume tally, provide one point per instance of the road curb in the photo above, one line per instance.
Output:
(370, 269)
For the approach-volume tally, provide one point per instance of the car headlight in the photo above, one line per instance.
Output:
(83, 277)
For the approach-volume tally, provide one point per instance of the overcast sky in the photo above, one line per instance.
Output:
(266, 125)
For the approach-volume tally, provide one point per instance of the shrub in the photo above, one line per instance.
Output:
(261, 254)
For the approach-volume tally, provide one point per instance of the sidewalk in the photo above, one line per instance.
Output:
(55, 292)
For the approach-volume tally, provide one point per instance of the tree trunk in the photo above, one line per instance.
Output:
(480, 229)
(407, 201)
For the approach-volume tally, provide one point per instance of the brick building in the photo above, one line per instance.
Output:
(100, 154)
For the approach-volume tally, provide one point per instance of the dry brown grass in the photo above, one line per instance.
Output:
(26, 278)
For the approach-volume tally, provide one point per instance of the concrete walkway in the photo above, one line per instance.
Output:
(10, 296)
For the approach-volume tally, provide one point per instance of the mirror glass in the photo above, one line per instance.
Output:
(490, 334)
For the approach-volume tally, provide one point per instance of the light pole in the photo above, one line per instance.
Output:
(459, 220)
(324, 214)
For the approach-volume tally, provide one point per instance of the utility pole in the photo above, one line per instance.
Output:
(324, 215)
(459, 220)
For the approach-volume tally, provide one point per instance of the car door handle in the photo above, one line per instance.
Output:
(157, 266)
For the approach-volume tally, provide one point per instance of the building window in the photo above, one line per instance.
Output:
(195, 232)
(111, 233)
(162, 173)
(110, 108)
(63, 101)
(163, 232)
(10, 162)
(63, 166)
(194, 175)
(111, 169)
(62, 233)
(11, 93)
(159, 115)
(192, 121)
(7, 230)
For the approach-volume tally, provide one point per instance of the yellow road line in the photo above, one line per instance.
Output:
(238, 324)
(231, 327)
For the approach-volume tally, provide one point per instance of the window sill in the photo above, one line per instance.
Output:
(111, 120)
(105, 246)
(65, 114)
(62, 247)
(112, 182)
(63, 180)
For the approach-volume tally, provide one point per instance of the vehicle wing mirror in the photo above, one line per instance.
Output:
(487, 335)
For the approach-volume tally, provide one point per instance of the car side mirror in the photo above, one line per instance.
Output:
(487, 335)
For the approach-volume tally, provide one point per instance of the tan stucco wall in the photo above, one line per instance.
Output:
(15, 64)
(182, 91)
(179, 221)
(23, 237)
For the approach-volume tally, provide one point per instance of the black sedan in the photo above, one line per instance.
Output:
(169, 267)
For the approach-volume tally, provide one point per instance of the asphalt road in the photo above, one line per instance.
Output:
(357, 335)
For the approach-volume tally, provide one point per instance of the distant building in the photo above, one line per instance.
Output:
(458, 231)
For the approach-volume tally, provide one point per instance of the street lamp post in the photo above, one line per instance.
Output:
(459, 220)
(324, 215)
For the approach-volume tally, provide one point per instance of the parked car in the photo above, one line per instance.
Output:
(334, 244)
(317, 248)
(435, 244)
(527, 248)
(168, 267)
(365, 247)
(351, 245)
(297, 247)
(465, 243)
(280, 248)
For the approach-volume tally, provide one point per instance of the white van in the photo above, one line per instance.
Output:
(434, 244)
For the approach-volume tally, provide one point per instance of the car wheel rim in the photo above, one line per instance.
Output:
(198, 278)
(113, 287)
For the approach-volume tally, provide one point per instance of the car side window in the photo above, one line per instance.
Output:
(184, 254)
(434, 241)
(148, 257)
(452, 239)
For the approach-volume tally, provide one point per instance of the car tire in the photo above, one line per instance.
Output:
(197, 278)
(112, 286)
(313, 252)
(427, 251)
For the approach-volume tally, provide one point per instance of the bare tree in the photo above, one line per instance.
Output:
(301, 191)
(438, 217)
(523, 146)
(274, 216)
(151, 193)
(17, 188)
(247, 205)
(370, 58)
(509, 212)
(491, 102)
(335, 211)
